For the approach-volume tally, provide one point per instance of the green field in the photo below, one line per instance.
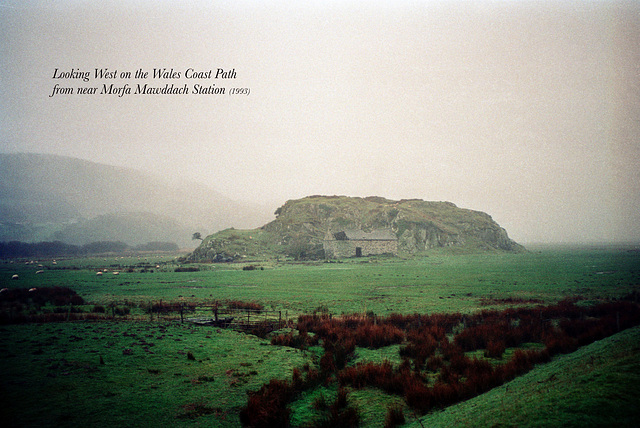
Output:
(137, 370)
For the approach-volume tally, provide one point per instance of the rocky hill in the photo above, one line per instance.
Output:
(300, 227)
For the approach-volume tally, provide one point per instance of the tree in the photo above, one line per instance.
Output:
(300, 248)
(197, 235)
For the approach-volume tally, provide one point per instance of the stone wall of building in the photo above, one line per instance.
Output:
(349, 248)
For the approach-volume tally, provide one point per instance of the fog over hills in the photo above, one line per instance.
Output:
(526, 110)
(46, 197)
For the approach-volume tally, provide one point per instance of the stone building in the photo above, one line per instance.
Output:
(356, 243)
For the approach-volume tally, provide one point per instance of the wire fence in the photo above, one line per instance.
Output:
(234, 318)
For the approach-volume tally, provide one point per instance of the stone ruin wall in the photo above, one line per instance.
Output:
(340, 249)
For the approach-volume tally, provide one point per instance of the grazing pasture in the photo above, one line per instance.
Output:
(136, 366)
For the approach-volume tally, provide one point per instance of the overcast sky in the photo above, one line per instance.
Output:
(529, 111)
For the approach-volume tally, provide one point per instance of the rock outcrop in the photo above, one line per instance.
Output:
(300, 227)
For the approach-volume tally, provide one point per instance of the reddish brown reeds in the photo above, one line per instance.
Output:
(427, 351)
(238, 304)
(394, 417)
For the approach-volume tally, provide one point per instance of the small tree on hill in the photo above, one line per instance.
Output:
(301, 248)
(197, 235)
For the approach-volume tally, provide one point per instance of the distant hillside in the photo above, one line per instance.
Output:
(44, 194)
(300, 227)
(132, 228)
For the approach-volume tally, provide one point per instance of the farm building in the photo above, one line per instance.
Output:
(356, 243)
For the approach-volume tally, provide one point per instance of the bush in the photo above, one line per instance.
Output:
(562, 328)
(122, 311)
(187, 269)
(267, 407)
(238, 304)
(299, 341)
(339, 414)
(495, 349)
(395, 416)
(373, 336)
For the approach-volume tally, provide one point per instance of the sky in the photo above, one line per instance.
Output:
(526, 110)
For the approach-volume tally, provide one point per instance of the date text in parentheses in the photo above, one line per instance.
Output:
(240, 91)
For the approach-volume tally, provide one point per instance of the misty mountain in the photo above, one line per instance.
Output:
(54, 197)
(133, 228)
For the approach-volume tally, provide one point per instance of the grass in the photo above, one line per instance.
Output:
(434, 283)
(147, 377)
(596, 386)
(51, 374)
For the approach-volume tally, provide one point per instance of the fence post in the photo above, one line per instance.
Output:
(181, 313)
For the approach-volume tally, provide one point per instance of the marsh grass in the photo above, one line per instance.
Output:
(437, 282)
(53, 374)
(596, 386)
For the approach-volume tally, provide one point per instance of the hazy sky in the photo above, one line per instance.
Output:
(529, 111)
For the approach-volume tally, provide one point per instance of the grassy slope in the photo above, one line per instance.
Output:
(59, 366)
(599, 385)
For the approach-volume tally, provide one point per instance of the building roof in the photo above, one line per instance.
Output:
(359, 235)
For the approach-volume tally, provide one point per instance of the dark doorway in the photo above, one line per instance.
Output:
(358, 252)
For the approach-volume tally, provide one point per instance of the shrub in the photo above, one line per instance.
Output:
(320, 403)
(445, 394)
(562, 328)
(395, 416)
(122, 311)
(267, 407)
(187, 269)
(369, 335)
(196, 410)
(57, 296)
(495, 349)
(340, 414)
(559, 343)
(238, 304)
(419, 397)
(300, 341)
(327, 363)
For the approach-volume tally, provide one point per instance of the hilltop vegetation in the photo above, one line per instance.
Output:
(300, 227)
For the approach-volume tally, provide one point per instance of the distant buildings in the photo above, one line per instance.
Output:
(356, 243)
